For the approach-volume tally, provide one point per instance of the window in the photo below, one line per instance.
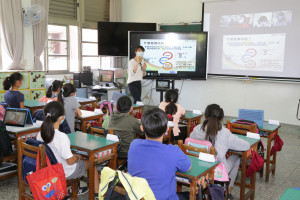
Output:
(96, 10)
(90, 48)
(58, 43)
(63, 9)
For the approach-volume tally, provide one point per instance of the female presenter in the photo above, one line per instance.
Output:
(136, 71)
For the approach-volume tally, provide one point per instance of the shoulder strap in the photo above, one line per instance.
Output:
(111, 187)
(38, 161)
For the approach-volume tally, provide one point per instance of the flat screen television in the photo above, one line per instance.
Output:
(113, 36)
(172, 55)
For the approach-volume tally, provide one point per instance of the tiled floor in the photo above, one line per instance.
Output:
(287, 171)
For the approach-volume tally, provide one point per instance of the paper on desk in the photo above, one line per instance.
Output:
(253, 135)
(139, 103)
(206, 157)
(198, 112)
(112, 137)
(170, 124)
(86, 113)
(38, 122)
(275, 122)
(98, 111)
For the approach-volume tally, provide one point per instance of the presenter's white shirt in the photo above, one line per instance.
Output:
(61, 148)
(138, 75)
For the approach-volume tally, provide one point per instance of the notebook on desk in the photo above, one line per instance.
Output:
(17, 117)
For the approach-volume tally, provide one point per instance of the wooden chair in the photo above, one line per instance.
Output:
(100, 132)
(27, 150)
(185, 148)
(243, 129)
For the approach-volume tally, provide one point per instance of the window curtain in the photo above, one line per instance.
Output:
(12, 31)
(40, 35)
(115, 10)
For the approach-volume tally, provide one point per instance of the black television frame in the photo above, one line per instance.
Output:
(180, 75)
(133, 26)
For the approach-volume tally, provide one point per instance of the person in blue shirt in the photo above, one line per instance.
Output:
(13, 97)
(155, 161)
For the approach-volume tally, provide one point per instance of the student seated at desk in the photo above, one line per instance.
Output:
(74, 165)
(124, 125)
(52, 92)
(13, 97)
(222, 139)
(154, 161)
(174, 112)
(67, 97)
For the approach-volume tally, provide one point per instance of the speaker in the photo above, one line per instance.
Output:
(76, 79)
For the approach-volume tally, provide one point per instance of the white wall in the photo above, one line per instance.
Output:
(278, 100)
(161, 11)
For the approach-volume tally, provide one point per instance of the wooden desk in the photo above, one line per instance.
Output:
(88, 116)
(190, 117)
(246, 155)
(19, 132)
(289, 194)
(199, 168)
(23, 131)
(33, 105)
(92, 144)
(271, 130)
(84, 101)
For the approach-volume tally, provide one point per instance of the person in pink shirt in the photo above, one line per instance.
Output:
(174, 112)
(52, 92)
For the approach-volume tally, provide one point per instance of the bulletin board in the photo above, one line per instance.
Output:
(33, 88)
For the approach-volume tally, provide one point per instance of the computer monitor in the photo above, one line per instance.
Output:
(106, 76)
(86, 78)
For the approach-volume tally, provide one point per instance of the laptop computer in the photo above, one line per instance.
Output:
(17, 117)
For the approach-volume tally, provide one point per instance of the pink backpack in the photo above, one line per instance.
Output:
(2, 112)
(220, 171)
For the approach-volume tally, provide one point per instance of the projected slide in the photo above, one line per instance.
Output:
(259, 52)
(169, 56)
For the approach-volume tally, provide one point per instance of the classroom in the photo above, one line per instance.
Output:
(128, 99)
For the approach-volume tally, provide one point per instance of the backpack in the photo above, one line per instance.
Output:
(107, 109)
(95, 124)
(39, 115)
(260, 146)
(29, 164)
(220, 172)
(5, 105)
(5, 142)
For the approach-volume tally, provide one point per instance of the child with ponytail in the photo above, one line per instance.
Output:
(222, 139)
(52, 92)
(74, 165)
(174, 112)
(67, 97)
(13, 97)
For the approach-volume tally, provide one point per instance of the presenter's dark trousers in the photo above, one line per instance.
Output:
(135, 89)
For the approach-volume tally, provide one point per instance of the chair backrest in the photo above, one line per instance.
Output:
(241, 128)
(30, 151)
(100, 132)
(190, 148)
(253, 115)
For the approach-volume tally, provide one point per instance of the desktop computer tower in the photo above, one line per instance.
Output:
(76, 80)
